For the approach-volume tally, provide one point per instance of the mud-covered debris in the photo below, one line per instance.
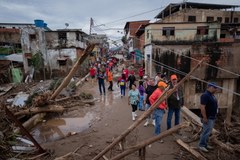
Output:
(84, 95)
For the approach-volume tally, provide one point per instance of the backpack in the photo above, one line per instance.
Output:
(122, 82)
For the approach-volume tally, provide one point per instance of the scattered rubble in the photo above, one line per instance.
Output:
(30, 103)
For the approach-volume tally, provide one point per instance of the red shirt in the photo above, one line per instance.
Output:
(92, 72)
(154, 96)
(140, 72)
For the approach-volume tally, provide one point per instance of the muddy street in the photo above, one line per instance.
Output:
(109, 117)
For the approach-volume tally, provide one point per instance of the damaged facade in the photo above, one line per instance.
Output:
(59, 49)
(187, 32)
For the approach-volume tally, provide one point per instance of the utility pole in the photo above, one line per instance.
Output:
(91, 24)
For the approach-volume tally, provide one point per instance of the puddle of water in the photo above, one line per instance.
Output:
(58, 128)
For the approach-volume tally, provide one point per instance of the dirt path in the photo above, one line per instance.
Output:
(112, 118)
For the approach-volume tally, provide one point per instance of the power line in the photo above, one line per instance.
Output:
(188, 49)
(184, 73)
(133, 16)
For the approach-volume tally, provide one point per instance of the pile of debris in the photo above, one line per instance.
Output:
(29, 104)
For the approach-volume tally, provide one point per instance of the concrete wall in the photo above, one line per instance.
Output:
(183, 32)
(10, 36)
(53, 41)
(54, 54)
(224, 97)
(201, 15)
(32, 46)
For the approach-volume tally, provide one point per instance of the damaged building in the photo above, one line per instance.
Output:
(188, 32)
(59, 49)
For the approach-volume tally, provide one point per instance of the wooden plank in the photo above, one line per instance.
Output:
(231, 84)
(151, 140)
(190, 149)
(194, 117)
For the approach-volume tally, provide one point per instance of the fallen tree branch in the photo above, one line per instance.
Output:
(49, 108)
(222, 145)
(30, 123)
(150, 140)
(68, 154)
(191, 150)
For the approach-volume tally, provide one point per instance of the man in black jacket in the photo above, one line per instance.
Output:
(174, 102)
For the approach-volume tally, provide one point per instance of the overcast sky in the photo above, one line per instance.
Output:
(77, 13)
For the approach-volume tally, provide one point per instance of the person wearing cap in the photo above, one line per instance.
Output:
(175, 102)
(160, 110)
(209, 109)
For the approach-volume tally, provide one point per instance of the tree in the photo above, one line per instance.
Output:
(38, 62)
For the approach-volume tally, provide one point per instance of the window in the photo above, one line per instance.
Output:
(202, 30)
(62, 38)
(62, 35)
(77, 36)
(226, 19)
(219, 19)
(235, 20)
(32, 37)
(168, 31)
(210, 19)
(191, 18)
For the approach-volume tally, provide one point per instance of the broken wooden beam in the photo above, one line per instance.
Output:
(23, 129)
(30, 123)
(191, 150)
(49, 108)
(82, 80)
(150, 140)
(194, 117)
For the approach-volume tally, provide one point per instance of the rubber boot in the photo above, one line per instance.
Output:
(133, 116)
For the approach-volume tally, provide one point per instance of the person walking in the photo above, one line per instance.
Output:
(122, 84)
(141, 90)
(149, 90)
(160, 110)
(131, 79)
(133, 100)
(101, 84)
(110, 80)
(141, 72)
(209, 109)
(175, 102)
(92, 72)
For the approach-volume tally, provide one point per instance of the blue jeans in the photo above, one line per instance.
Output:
(122, 90)
(140, 104)
(158, 115)
(172, 110)
(147, 106)
(207, 130)
(101, 85)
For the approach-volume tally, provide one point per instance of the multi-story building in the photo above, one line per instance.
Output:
(188, 32)
(135, 38)
(59, 48)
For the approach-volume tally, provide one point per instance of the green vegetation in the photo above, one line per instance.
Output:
(10, 50)
(38, 61)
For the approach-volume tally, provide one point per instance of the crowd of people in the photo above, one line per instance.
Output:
(144, 94)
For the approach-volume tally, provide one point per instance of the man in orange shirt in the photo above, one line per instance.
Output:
(110, 80)
(160, 110)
